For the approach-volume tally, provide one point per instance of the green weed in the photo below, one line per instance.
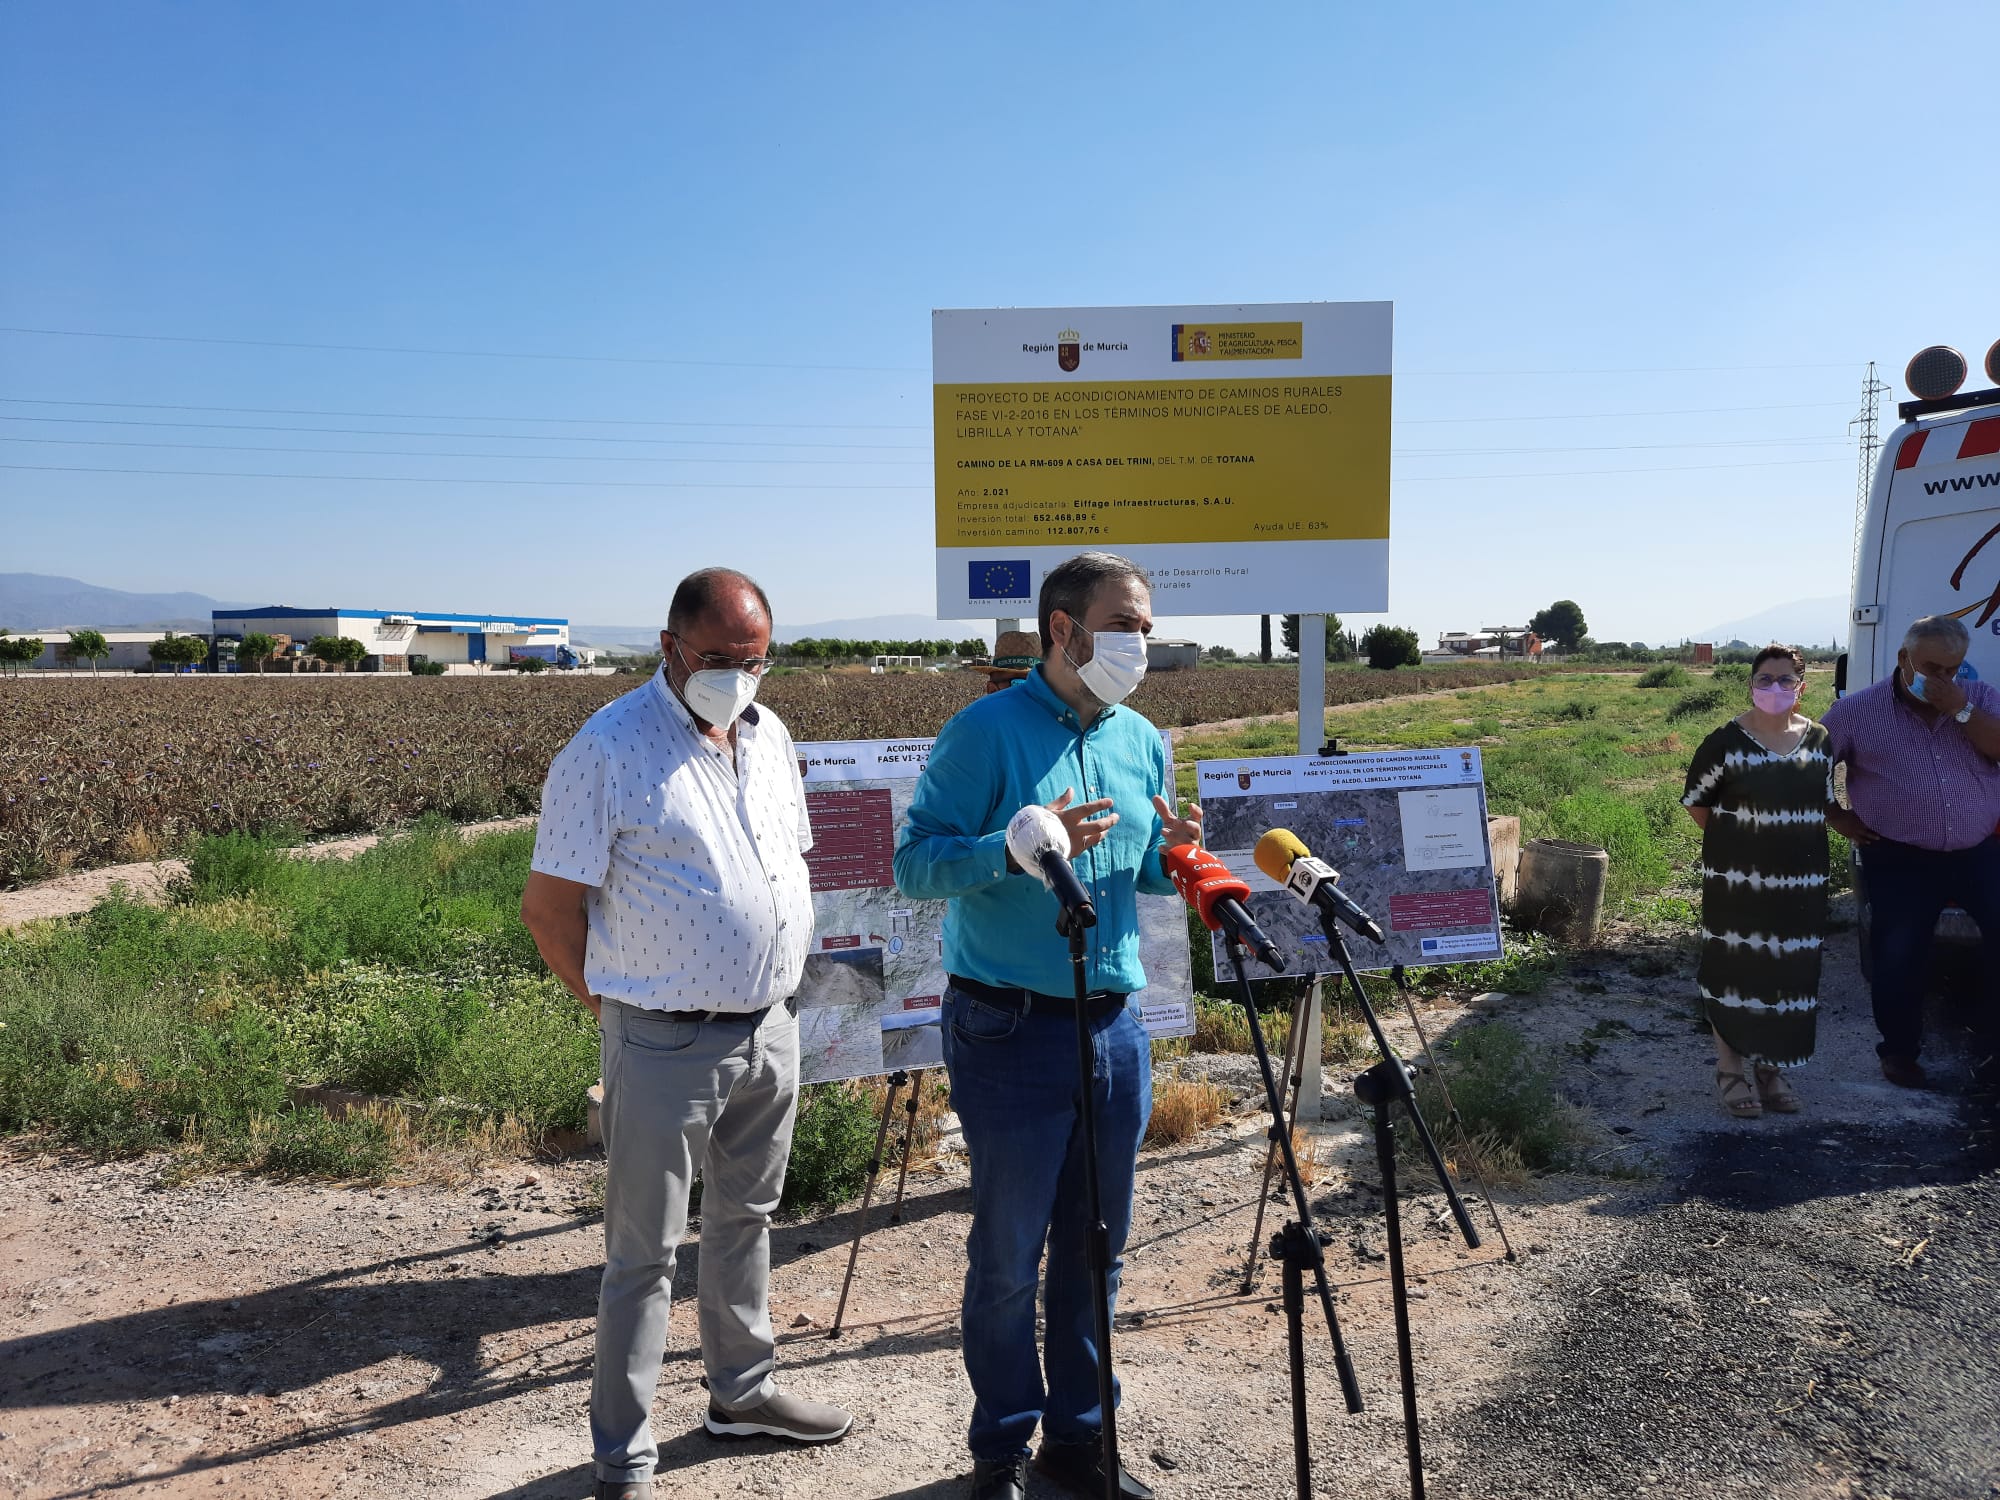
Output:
(1701, 701)
(1510, 1114)
(1668, 674)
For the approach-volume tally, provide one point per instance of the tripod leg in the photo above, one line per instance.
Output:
(909, 1142)
(1293, 1071)
(1290, 1254)
(1457, 1122)
(1385, 1154)
(896, 1081)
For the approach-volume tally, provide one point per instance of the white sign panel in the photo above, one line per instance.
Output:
(1239, 453)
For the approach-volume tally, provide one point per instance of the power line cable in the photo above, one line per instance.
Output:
(737, 485)
(589, 359)
(409, 416)
(1595, 416)
(596, 484)
(643, 458)
(554, 458)
(721, 364)
(1776, 463)
(505, 437)
(525, 437)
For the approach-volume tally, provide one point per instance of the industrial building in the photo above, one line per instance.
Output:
(465, 643)
(128, 650)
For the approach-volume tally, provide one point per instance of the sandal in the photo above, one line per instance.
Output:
(1776, 1094)
(1738, 1097)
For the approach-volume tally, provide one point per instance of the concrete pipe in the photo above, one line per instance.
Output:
(1562, 889)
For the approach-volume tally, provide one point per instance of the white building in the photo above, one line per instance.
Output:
(461, 642)
(128, 650)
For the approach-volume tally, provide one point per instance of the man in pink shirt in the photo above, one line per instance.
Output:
(1922, 750)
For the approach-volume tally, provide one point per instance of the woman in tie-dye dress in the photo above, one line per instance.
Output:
(1759, 788)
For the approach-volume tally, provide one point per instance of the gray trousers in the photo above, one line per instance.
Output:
(681, 1096)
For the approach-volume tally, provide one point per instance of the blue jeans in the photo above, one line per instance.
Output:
(1908, 889)
(1015, 1086)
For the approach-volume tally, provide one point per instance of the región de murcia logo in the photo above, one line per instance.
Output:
(1069, 349)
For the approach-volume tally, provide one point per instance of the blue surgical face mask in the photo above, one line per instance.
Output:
(1917, 686)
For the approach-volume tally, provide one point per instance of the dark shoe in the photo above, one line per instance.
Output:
(1079, 1467)
(623, 1489)
(782, 1416)
(1000, 1478)
(1904, 1072)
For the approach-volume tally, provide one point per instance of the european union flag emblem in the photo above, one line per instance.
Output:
(1002, 578)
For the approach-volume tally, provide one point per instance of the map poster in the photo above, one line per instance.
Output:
(870, 999)
(1405, 829)
(1239, 454)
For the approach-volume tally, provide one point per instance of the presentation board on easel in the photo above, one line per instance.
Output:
(1406, 829)
(869, 1001)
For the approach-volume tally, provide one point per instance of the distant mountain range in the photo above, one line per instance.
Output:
(40, 601)
(1803, 622)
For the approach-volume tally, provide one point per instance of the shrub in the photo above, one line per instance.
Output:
(1666, 674)
(1509, 1113)
(1701, 701)
(1182, 1108)
(832, 1143)
(312, 1143)
(1733, 671)
(1390, 646)
(1577, 708)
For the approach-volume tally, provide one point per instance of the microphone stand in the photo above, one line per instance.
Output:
(1382, 1088)
(1297, 1247)
(1073, 925)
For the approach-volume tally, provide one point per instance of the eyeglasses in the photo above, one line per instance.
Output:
(756, 666)
(1765, 679)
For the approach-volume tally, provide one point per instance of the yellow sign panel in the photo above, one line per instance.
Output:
(1121, 463)
(1198, 341)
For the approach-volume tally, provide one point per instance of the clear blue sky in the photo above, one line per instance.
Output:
(748, 213)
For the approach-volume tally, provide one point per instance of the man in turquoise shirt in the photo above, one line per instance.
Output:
(1061, 739)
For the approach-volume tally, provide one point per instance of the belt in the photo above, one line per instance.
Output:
(1034, 1002)
(747, 1017)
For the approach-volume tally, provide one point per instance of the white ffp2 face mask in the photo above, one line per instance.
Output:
(718, 696)
(1116, 667)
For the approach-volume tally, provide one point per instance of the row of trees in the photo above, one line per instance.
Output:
(831, 649)
(17, 651)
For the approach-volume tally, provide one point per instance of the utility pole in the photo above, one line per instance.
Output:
(1866, 419)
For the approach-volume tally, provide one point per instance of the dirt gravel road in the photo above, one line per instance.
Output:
(1789, 1308)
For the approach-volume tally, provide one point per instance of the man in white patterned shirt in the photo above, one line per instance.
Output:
(669, 892)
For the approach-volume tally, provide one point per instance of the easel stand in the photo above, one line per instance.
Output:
(897, 1080)
(1297, 1247)
(1295, 1069)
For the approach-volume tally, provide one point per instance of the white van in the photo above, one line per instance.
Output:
(1930, 542)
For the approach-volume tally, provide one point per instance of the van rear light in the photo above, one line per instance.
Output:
(1993, 363)
(1935, 373)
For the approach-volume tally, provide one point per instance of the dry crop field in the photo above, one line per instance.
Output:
(95, 772)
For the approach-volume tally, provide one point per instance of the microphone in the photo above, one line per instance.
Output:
(1040, 846)
(1217, 897)
(1281, 856)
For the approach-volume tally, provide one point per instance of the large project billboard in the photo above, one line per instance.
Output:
(1241, 454)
